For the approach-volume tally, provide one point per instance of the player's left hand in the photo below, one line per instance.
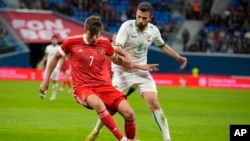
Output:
(150, 67)
(183, 61)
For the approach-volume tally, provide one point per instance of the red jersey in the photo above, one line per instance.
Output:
(109, 67)
(66, 64)
(88, 61)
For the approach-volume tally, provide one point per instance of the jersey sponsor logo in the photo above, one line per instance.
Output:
(80, 50)
(100, 51)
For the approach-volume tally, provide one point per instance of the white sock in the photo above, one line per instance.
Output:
(98, 126)
(54, 89)
(123, 139)
(161, 120)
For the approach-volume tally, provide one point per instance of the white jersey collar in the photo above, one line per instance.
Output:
(85, 38)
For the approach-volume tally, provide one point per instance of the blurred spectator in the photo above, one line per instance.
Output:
(196, 10)
(195, 72)
(22, 4)
(185, 37)
(3, 34)
(188, 11)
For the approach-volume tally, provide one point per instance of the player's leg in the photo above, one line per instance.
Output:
(96, 103)
(121, 85)
(54, 77)
(68, 80)
(97, 129)
(130, 127)
(63, 82)
(147, 88)
(125, 110)
(152, 101)
(93, 101)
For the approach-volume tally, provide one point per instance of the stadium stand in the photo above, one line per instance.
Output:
(217, 27)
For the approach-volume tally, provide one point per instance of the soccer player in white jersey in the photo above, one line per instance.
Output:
(135, 37)
(50, 50)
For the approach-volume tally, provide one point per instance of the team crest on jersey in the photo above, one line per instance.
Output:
(149, 37)
(100, 51)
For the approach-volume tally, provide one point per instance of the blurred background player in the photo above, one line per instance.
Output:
(135, 37)
(50, 50)
(66, 70)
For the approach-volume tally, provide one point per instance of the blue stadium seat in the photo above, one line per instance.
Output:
(113, 29)
(234, 2)
(210, 28)
(2, 4)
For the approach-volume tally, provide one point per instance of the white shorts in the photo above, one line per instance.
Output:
(142, 80)
(54, 75)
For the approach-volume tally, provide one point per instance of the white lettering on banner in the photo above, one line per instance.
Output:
(35, 29)
(57, 24)
(218, 82)
(28, 34)
(12, 74)
(46, 34)
(43, 34)
(202, 82)
(18, 23)
(35, 25)
(166, 82)
(62, 32)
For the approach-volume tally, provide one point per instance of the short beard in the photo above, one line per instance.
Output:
(141, 28)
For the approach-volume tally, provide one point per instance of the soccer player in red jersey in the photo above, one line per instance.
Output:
(92, 86)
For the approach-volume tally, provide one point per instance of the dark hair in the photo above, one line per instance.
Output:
(145, 7)
(54, 36)
(93, 24)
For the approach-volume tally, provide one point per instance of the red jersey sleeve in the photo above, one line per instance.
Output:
(109, 49)
(66, 45)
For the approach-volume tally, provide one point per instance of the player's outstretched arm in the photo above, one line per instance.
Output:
(147, 67)
(52, 64)
(169, 51)
(119, 60)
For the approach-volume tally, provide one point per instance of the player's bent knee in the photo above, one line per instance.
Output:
(129, 114)
(154, 106)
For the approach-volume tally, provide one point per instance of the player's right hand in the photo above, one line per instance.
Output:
(183, 61)
(43, 87)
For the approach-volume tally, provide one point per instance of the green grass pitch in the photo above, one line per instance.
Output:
(194, 114)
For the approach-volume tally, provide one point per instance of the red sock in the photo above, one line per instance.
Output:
(63, 85)
(130, 129)
(69, 84)
(109, 122)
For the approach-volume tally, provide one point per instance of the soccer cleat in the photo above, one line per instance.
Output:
(52, 97)
(92, 136)
(42, 96)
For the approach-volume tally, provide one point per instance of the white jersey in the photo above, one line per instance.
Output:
(50, 51)
(135, 42)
